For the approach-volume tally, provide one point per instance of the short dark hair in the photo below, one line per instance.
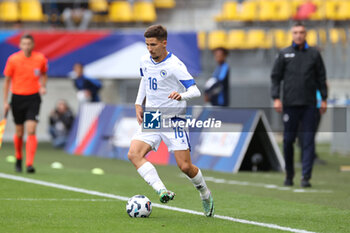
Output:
(79, 64)
(27, 36)
(157, 31)
(298, 24)
(222, 49)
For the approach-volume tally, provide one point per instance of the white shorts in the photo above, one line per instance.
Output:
(174, 140)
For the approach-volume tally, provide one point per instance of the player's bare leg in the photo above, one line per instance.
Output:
(31, 145)
(138, 150)
(18, 143)
(183, 160)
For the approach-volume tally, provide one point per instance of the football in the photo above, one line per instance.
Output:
(139, 206)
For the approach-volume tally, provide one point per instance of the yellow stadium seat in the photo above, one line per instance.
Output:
(256, 39)
(280, 38)
(268, 41)
(9, 11)
(98, 5)
(343, 10)
(228, 12)
(164, 3)
(31, 10)
(320, 13)
(248, 11)
(331, 9)
(311, 37)
(217, 39)
(236, 39)
(120, 12)
(295, 5)
(283, 11)
(144, 12)
(334, 37)
(202, 40)
(267, 10)
(337, 35)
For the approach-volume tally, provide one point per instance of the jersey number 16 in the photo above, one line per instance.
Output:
(153, 83)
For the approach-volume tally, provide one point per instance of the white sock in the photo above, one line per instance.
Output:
(150, 175)
(199, 182)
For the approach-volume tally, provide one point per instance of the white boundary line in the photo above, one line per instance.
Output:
(96, 193)
(57, 199)
(262, 185)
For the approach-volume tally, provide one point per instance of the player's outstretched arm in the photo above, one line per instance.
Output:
(192, 92)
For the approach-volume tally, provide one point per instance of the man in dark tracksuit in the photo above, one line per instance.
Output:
(302, 71)
(217, 87)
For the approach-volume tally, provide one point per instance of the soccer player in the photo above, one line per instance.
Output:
(26, 72)
(165, 83)
(217, 88)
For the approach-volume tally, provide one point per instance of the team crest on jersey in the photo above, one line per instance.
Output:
(163, 73)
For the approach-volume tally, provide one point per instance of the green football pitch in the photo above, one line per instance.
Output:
(245, 202)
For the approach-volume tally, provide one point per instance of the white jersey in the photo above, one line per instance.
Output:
(161, 79)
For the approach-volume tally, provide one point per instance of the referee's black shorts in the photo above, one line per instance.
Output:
(25, 107)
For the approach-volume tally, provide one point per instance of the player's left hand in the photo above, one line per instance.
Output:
(175, 96)
(42, 90)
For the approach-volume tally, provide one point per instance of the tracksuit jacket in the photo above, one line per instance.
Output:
(302, 72)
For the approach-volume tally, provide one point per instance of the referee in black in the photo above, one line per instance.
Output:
(300, 71)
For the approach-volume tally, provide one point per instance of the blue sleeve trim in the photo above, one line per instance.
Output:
(141, 73)
(223, 71)
(188, 83)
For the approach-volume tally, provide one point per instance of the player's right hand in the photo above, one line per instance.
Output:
(139, 113)
(6, 107)
(277, 104)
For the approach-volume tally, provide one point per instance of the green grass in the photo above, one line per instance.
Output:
(52, 211)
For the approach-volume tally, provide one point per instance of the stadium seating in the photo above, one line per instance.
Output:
(248, 11)
(280, 38)
(164, 3)
(229, 12)
(239, 39)
(217, 39)
(267, 11)
(320, 12)
(9, 11)
(268, 42)
(311, 37)
(257, 39)
(337, 35)
(295, 5)
(343, 10)
(98, 5)
(31, 10)
(144, 12)
(283, 10)
(322, 34)
(331, 9)
(120, 12)
(202, 40)
(99, 8)
(236, 39)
